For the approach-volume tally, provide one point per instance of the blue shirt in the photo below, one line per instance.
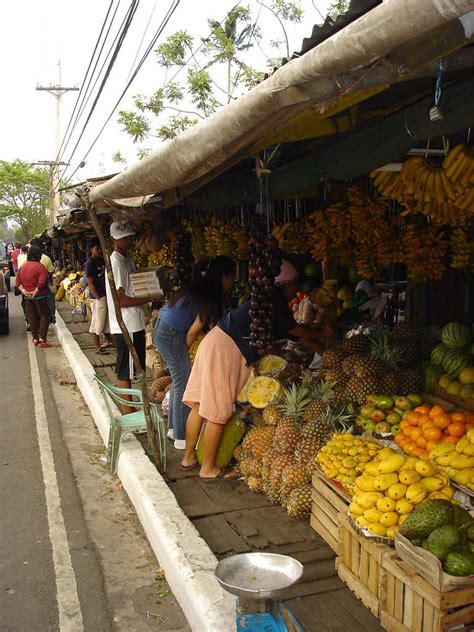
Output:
(181, 316)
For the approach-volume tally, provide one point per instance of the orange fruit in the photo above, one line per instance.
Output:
(430, 445)
(457, 429)
(398, 438)
(403, 424)
(408, 430)
(415, 433)
(413, 418)
(423, 410)
(409, 447)
(418, 451)
(449, 439)
(442, 421)
(432, 434)
(469, 426)
(469, 418)
(458, 416)
(436, 410)
(421, 442)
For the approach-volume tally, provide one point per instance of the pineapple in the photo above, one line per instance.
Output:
(410, 381)
(255, 484)
(270, 415)
(390, 356)
(321, 430)
(305, 452)
(161, 383)
(160, 372)
(238, 453)
(322, 394)
(332, 359)
(359, 388)
(245, 466)
(295, 400)
(267, 463)
(357, 340)
(337, 376)
(273, 487)
(286, 436)
(294, 476)
(299, 503)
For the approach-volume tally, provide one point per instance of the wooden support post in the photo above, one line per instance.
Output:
(152, 433)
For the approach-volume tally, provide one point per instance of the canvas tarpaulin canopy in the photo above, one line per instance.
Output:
(319, 75)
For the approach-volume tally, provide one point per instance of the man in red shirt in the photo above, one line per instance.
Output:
(14, 256)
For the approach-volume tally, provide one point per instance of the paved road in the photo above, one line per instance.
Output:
(72, 553)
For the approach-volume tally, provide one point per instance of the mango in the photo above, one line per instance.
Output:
(368, 500)
(462, 462)
(397, 491)
(410, 463)
(463, 477)
(361, 521)
(469, 450)
(433, 483)
(355, 509)
(402, 519)
(425, 468)
(366, 483)
(372, 515)
(389, 519)
(385, 504)
(416, 494)
(391, 531)
(377, 529)
(462, 444)
(384, 481)
(470, 435)
(371, 469)
(446, 493)
(445, 459)
(408, 477)
(404, 507)
(391, 464)
(440, 449)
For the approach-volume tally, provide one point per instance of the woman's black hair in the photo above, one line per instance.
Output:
(34, 254)
(205, 290)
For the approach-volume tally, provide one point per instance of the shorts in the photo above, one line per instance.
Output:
(99, 316)
(124, 367)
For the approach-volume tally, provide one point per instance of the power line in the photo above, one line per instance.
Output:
(65, 141)
(143, 37)
(126, 24)
(149, 48)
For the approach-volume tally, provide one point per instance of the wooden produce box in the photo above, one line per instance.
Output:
(410, 603)
(329, 501)
(359, 564)
(453, 400)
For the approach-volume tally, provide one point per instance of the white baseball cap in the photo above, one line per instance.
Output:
(119, 230)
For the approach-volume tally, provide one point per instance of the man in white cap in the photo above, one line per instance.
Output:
(132, 310)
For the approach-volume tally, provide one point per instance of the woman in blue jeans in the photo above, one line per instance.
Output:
(189, 312)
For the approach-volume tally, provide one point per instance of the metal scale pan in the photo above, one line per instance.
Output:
(258, 579)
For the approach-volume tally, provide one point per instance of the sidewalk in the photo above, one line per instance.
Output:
(191, 524)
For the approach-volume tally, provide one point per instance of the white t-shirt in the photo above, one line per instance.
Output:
(133, 317)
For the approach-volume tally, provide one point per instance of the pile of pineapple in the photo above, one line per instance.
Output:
(378, 362)
(278, 458)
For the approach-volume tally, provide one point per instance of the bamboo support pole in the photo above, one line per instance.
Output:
(152, 433)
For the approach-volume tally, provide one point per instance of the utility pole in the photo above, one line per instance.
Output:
(57, 91)
(53, 181)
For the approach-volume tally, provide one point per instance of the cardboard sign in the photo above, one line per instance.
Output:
(145, 283)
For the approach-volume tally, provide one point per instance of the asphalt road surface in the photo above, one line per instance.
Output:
(69, 561)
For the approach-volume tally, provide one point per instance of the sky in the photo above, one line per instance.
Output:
(35, 35)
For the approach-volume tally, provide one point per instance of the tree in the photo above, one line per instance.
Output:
(24, 195)
(338, 7)
(200, 95)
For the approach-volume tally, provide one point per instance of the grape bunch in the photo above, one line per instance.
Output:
(184, 259)
(264, 265)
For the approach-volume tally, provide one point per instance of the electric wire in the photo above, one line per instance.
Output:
(161, 28)
(64, 141)
(142, 39)
(121, 37)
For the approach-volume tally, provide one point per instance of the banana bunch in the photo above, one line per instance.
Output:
(423, 252)
(326, 294)
(164, 257)
(292, 237)
(198, 239)
(141, 260)
(328, 233)
(462, 249)
(319, 240)
(465, 201)
(389, 184)
(459, 166)
(219, 240)
(241, 237)
(426, 181)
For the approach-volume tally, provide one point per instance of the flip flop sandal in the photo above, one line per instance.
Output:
(224, 475)
(101, 351)
(189, 467)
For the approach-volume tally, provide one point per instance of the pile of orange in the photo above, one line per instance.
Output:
(426, 426)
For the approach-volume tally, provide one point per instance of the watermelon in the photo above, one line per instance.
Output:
(438, 353)
(431, 373)
(456, 335)
(455, 361)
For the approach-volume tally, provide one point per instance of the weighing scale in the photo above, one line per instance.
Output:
(257, 579)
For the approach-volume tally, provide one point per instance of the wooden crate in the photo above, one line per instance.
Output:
(359, 564)
(328, 503)
(409, 603)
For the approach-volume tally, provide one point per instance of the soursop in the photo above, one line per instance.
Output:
(459, 564)
(442, 540)
(461, 516)
(469, 532)
(430, 515)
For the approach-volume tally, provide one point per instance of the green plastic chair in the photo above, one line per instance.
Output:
(121, 424)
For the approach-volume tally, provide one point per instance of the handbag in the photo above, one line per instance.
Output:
(16, 291)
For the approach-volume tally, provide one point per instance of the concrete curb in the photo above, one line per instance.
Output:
(184, 556)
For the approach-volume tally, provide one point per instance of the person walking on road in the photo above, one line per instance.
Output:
(14, 256)
(94, 272)
(32, 282)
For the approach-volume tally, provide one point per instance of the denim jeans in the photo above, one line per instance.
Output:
(171, 344)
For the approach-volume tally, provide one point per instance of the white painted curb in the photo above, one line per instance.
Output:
(184, 556)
